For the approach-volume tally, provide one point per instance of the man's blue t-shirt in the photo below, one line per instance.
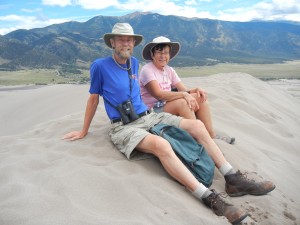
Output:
(112, 83)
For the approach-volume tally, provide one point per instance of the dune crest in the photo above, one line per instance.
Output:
(46, 180)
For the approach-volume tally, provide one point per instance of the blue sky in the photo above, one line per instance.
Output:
(20, 14)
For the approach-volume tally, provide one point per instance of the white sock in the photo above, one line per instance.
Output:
(201, 192)
(226, 169)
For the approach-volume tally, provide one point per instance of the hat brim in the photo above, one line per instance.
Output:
(108, 36)
(175, 48)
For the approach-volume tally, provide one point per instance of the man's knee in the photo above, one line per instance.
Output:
(199, 124)
(196, 127)
(162, 148)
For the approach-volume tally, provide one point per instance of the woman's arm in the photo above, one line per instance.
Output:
(154, 89)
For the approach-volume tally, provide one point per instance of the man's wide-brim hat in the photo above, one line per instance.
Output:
(147, 51)
(122, 29)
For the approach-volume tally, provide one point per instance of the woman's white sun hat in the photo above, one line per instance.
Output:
(175, 47)
(122, 29)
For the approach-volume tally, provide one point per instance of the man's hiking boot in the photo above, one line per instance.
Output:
(238, 184)
(221, 208)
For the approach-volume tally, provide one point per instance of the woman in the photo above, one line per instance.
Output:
(157, 80)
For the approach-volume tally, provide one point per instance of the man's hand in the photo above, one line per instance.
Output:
(74, 135)
(90, 111)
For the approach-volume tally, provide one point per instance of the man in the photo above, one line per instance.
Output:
(115, 79)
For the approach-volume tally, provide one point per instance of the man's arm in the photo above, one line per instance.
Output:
(90, 111)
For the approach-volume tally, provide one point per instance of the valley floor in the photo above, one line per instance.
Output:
(287, 70)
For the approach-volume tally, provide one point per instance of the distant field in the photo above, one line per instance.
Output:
(288, 70)
(40, 77)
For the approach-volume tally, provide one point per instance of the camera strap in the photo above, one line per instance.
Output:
(129, 75)
(128, 63)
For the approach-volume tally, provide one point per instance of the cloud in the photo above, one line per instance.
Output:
(278, 10)
(26, 22)
(86, 4)
(264, 10)
(165, 8)
(274, 10)
(190, 2)
(31, 10)
(61, 3)
(96, 4)
(178, 8)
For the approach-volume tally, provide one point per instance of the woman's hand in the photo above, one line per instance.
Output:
(191, 101)
(200, 94)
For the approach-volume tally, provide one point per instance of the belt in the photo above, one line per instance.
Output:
(140, 115)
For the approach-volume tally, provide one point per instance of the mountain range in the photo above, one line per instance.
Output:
(203, 41)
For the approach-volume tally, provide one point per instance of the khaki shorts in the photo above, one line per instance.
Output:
(127, 137)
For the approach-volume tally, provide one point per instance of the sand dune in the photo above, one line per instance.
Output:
(45, 180)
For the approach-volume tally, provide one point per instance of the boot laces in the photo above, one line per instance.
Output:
(217, 202)
(244, 177)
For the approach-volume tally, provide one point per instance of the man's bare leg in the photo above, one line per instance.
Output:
(163, 151)
(172, 164)
(199, 132)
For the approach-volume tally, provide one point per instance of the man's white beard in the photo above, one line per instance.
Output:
(125, 54)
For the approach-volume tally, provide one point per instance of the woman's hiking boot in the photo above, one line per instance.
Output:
(216, 202)
(238, 185)
(229, 140)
